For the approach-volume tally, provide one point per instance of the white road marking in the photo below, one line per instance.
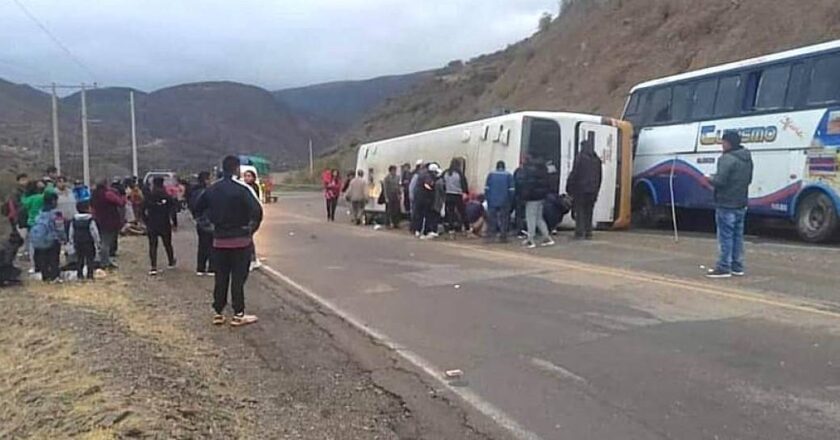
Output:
(557, 370)
(477, 402)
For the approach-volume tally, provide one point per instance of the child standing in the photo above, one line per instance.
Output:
(47, 235)
(84, 238)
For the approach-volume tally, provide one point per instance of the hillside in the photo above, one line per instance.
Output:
(181, 127)
(589, 58)
(344, 103)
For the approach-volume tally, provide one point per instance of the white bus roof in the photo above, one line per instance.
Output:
(794, 53)
(517, 115)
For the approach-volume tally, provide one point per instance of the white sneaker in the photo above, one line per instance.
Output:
(530, 244)
(240, 320)
(548, 243)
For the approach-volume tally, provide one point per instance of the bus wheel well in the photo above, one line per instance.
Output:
(644, 213)
(816, 215)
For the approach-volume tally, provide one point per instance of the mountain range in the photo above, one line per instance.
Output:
(189, 126)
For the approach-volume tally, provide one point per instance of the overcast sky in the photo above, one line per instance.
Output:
(150, 44)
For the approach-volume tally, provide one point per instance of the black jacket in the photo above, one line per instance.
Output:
(585, 177)
(534, 182)
(232, 208)
(733, 178)
(160, 211)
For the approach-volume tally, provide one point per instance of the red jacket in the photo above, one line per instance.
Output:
(106, 205)
(332, 189)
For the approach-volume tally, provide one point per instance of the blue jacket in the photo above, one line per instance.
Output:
(499, 189)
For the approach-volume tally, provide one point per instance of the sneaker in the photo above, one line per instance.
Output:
(738, 273)
(242, 319)
(218, 319)
(529, 244)
(257, 263)
(153, 272)
(201, 274)
(716, 273)
(548, 243)
(173, 264)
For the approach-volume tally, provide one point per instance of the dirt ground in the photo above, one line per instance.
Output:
(131, 356)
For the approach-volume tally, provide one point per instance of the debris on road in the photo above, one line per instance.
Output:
(454, 374)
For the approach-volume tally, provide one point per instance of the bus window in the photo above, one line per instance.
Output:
(636, 109)
(825, 87)
(681, 103)
(544, 140)
(726, 102)
(704, 99)
(798, 76)
(660, 105)
(772, 87)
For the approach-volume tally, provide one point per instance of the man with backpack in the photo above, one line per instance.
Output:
(47, 235)
(203, 228)
(84, 239)
(160, 213)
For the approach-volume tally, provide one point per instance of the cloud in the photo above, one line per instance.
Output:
(280, 43)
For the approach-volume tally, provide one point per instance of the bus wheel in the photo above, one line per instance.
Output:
(816, 218)
(644, 210)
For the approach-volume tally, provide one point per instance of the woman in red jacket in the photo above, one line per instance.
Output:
(332, 190)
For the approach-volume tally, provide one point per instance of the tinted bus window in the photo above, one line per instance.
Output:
(681, 103)
(798, 76)
(727, 96)
(825, 82)
(772, 88)
(660, 105)
(704, 99)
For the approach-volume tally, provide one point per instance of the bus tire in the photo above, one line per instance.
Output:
(644, 209)
(816, 218)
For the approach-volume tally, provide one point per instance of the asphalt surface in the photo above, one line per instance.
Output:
(618, 338)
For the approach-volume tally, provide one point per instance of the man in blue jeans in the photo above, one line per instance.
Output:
(731, 185)
(498, 191)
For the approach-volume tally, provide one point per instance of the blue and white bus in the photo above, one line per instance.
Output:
(786, 107)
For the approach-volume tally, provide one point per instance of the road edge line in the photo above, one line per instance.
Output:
(484, 407)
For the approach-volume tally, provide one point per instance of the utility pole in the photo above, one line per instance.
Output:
(56, 147)
(85, 146)
(311, 160)
(133, 137)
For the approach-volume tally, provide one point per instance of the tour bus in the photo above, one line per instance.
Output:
(552, 137)
(786, 107)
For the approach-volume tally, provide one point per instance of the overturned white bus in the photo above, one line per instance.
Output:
(551, 136)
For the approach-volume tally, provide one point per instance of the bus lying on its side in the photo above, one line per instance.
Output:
(552, 137)
(786, 106)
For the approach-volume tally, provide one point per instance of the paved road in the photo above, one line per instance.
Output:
(619, 338)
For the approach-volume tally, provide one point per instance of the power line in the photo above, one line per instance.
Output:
(54, 38)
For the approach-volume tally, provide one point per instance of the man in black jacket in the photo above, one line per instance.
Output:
(236, 215)
(584, 184)
(731, 183)
(160, 214)
(203, 227)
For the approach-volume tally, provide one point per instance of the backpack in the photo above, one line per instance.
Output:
(81, 232)
(44, 234)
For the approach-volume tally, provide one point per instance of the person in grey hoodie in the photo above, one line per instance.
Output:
(731, 185)
(455, 186)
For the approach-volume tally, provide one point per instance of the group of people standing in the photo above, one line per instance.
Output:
(431, 197)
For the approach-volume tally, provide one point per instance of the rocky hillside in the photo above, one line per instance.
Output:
(344, 103)
(589, 58)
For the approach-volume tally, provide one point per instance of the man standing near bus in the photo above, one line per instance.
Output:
(583, 185)
(731, 185)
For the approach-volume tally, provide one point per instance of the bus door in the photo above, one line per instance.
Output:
(605, 138)
(543, 142)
